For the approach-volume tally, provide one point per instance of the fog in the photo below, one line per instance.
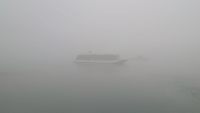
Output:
(40, 40)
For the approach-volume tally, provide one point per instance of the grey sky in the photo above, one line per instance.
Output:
(128, 25)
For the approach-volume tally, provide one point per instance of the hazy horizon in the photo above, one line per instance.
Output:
(41, 39)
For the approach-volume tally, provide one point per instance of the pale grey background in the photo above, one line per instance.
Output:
(39, 40)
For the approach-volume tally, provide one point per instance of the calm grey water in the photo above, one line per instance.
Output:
(135, 87)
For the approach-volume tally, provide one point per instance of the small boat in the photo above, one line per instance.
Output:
(99, 59)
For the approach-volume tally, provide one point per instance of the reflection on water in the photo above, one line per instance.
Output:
(75, 88)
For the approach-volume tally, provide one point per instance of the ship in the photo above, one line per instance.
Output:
(99, 59)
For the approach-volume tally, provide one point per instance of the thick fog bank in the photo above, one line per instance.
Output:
(39, 41)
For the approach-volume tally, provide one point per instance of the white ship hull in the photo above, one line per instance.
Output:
(100, 62)
(99, 59)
